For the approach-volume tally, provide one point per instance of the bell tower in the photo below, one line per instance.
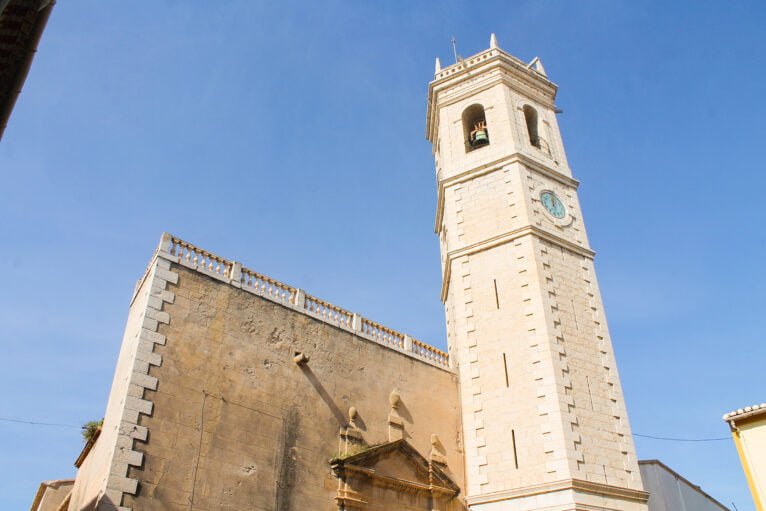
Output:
(544, 419)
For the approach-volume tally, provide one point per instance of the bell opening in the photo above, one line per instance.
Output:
(475, 127)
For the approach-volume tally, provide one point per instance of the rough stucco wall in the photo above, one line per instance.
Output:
(269, 427)
(93, 473)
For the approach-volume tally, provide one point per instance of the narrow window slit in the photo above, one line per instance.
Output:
(574, 313)
(515, 457)
(590, 396)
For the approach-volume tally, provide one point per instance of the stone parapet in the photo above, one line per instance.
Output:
(178, 251)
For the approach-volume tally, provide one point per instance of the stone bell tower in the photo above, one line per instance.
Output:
(544, 419)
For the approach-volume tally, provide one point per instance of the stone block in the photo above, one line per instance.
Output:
(148, 357)
(122, 484)
(162, 317)
(155, 302)
(144, 380)
(167, 275)
(152, 336)
(139, 405)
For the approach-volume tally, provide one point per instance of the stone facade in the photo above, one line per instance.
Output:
(236, 391)
(544, 420)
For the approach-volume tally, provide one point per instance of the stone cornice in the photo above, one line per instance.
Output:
(577, 485)
(502, 239)
(494, 166)
(397, 483)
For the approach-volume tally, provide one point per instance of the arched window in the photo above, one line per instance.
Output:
(475, 130)
(530, 115)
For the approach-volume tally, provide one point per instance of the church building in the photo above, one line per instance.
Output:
(235, 391)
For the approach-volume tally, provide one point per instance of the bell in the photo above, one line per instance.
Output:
(480, 138)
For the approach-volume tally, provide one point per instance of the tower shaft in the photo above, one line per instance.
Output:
(544, 419)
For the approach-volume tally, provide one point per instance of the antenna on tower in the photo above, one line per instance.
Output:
(454, 48)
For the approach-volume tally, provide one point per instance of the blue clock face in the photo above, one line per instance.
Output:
(553, 204)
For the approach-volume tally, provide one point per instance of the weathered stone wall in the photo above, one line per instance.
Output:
(94, 473)
(237, 424)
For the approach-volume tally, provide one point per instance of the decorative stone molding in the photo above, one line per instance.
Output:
(501, 239)
(361, 476)
(501, 164)
(564, 485)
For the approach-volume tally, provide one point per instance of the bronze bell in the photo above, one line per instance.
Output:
(480, 137)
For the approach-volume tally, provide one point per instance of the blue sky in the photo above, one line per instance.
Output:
(291, 137)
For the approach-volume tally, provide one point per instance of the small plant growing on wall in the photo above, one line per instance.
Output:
(90, 428)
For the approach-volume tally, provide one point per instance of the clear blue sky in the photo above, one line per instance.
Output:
(291, 137)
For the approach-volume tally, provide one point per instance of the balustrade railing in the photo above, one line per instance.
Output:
(382, 334)
(266, 286)
(328, 311)
(199, 257)
(429, 352)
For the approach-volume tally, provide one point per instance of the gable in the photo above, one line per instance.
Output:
(395, 463)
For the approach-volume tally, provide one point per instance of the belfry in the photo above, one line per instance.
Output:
(544, 422)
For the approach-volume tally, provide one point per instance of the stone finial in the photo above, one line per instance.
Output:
(352, 416)
(395, 423)
(493, 40)
(437, 455)
(394, 399)
(537, 65)
(438, 66)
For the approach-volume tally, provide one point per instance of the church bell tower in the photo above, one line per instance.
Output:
(544, 419)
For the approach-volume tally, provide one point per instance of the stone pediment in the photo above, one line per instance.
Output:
(395, 466)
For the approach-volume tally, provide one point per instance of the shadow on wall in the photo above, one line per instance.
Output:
(288, 460)
(339, 415)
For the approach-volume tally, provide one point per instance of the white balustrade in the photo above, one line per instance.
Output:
(316, 307)
(199, 258)
(267, 286)
(382, 334)
(328, 311)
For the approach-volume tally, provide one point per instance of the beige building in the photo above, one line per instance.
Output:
(53, 495)
(235, 391)
(748, 429)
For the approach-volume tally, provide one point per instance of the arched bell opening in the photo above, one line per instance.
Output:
(475, 130)
(530, 116)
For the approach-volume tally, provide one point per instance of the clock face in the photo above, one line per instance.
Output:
(553, 204)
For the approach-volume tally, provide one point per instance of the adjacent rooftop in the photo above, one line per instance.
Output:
(743, 413)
